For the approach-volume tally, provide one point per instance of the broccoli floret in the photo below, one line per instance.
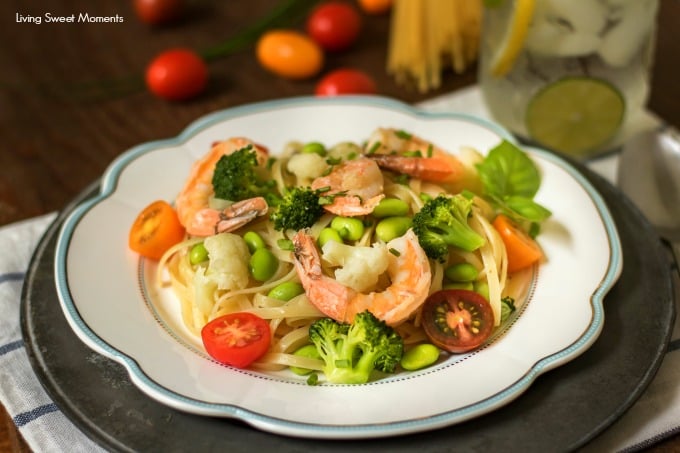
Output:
(237, 177)
(352, 351)
(299, 208)
(442, 222)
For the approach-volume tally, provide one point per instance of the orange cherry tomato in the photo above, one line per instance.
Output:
(375, 6)
(289, 54)
(522, 250)
(236, 339)
(155, 230)
(177, 74)
(457, 320)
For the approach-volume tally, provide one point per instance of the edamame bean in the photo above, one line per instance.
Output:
(263, 264)
(198, 254)
(329, 234)
(459, 285)
(305, 351)
(286, 291)
(254, 241)
(461, 272)
(419, 356)
(314, 147)
(389, 207)
(482, 288)
(392, 227)
(349, 228)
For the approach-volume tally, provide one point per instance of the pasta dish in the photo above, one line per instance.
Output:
(394, 247)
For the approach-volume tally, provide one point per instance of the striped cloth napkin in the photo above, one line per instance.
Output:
(45, 428)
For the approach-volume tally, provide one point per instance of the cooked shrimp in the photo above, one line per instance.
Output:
(393, 149)
(207, 221)
(357, 187)
(408, 270)
(192, 202)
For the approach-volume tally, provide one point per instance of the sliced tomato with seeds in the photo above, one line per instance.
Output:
(457, 320)
(236, 339)
(155, 230)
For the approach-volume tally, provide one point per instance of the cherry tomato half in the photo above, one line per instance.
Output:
(457, 320)
(345, 81)
(289, 54)
(155, 230)
(156, 12)
(177, 74)
(522, 250)
(334, 25)
(236, 339)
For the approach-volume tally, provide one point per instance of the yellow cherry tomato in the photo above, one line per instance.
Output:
(289, 54)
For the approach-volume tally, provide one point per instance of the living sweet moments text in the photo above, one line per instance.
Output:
(47, 18)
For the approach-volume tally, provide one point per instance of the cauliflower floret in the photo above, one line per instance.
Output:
(307, 166)
(345, 151)
(226, 269)
(360, 266)
(228, 265)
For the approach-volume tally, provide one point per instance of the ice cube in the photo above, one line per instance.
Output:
(623, 40)
(567, 28)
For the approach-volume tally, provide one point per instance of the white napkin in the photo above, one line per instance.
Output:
(46, 429)
(42, 424)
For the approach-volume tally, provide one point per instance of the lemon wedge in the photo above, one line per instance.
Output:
(513, 40)
(575, 115)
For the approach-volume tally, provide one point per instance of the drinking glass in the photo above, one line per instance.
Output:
(569, 75)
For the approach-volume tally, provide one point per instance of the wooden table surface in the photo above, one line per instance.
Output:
(54, 144)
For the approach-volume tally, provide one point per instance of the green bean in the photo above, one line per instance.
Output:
(390, 207)
(286, 291)
(349, 228)
(419, 356)
(254, 241)
(392, 227)
(461, 272)
(329, 234)
(308, 350)
(198, 253)
(263, 264)
(314, 147)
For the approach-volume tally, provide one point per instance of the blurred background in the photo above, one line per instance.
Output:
(59, 84)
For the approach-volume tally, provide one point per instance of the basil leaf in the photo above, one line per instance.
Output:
(527, 208)
(508, 171)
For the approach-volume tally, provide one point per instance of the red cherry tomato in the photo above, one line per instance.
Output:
(457, 320)
(345, 81)
(334, 25)
(236, 339)
(177, 74)
(156, 12)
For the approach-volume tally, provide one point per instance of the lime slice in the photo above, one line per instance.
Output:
(513, 40)
(575, 114)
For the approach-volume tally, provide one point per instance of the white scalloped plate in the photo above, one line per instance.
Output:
(108, 300)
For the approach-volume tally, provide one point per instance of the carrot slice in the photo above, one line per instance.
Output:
(155, 230)
(522, 250)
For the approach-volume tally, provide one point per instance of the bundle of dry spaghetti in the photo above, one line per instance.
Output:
(428, 36)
